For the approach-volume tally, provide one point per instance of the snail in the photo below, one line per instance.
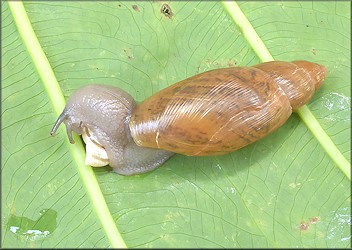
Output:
(212, 113)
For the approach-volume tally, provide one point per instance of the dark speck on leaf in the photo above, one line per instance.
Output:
(314, 51)
(166, 10)
(135, 7)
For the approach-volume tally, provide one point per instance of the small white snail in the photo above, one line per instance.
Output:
(212, 113)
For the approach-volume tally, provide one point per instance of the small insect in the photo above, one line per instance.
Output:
(166, 10)
(212, 113)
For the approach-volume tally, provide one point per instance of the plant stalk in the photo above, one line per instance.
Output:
(57, 99)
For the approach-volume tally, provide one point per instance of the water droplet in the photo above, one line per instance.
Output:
(340, 224)
(339, 105)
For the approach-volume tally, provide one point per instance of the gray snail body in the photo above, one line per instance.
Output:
(106, 111)
(212, 113)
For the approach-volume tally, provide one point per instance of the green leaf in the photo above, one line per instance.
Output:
(260, 196)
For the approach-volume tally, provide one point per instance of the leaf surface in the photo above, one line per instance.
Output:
(260, 196)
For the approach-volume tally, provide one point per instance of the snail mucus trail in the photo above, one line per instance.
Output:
(212, 113)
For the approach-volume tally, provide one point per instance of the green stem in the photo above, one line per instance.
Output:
(248, 31)
(53, 89)
(325, 141)
(306, 115)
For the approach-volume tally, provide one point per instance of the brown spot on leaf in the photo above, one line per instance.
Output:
(135, 7)
(304, 226)
(314, 220)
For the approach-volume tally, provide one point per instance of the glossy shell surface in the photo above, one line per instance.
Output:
(212, 113)
(222, 110)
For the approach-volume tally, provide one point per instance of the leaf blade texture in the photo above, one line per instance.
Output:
(283, 191)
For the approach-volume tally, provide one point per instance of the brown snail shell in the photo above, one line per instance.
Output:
(212, 113)
(222, 110)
